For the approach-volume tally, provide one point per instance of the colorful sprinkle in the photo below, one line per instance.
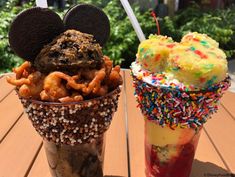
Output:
(204, 43)
(178, 108)
(199, 53)
(170, 45)
(157, 57)
(192, 48)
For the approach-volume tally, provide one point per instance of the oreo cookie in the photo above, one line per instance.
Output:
(32, 29)
(88, 19)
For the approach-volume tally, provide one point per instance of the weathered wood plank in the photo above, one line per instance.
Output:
(221, 130)
(228, 102)
(207, 160)
(5, 88)
(10, 111)
(40, 166)
(115, 161)
(18, 149)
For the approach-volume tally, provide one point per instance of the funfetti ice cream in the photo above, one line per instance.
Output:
(68, 88)
(196, 66)
(199, 39)
(153, 53)
(195, 63)
(178, 86)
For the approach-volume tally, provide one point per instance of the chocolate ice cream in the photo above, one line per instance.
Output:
(68, 52)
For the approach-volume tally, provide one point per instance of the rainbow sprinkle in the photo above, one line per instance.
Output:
(174, 107)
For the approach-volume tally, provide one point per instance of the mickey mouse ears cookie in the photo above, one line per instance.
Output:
(32, 29)
(88, 19)
(36, 27)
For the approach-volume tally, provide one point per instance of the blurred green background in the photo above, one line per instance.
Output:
(122, 46)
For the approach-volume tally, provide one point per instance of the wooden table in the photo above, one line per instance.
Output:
(22, 154)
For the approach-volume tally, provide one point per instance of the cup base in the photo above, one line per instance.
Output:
(169, 153)
(82, 160)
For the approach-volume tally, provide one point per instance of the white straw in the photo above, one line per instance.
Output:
(133, 19)
(41, 3)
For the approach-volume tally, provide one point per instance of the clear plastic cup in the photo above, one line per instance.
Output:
(173, 121)
(168, 152)
(78, 160)
(74, 133)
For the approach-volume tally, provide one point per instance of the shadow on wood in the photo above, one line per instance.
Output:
(208, 169)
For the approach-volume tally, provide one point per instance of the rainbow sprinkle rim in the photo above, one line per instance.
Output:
(168, 106)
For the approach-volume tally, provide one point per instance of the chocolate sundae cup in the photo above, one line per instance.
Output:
(73, 133)
(67, 87)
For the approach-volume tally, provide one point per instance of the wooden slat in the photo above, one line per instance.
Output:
(40, 166)
(18, 149)
(221, 130)
(10, 111)
(5, 88)
(228, 102)
(206, 153)
(207, 159)
(135, 132)
(115, 162)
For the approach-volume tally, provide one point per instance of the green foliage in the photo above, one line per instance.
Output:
(219, 24)
(7, 13)
(123, 42)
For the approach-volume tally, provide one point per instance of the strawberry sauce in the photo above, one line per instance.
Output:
(161, 163)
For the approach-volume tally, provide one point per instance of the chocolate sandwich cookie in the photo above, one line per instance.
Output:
(69, 52)
(32, 29)
(88, 19)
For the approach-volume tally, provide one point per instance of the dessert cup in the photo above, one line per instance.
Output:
(73, 133)
(173, 122)
(79, 160)
(169, 152)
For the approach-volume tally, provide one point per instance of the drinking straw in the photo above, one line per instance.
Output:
(133, 19)
(41, 3)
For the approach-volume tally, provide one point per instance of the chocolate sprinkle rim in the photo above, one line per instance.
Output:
(75, 122)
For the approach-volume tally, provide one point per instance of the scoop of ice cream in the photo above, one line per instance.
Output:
(153, 52)
(68, 52)
(195, 63)
(198, 66)
(194, 38)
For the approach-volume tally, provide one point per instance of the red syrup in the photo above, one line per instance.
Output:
(177, 166)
